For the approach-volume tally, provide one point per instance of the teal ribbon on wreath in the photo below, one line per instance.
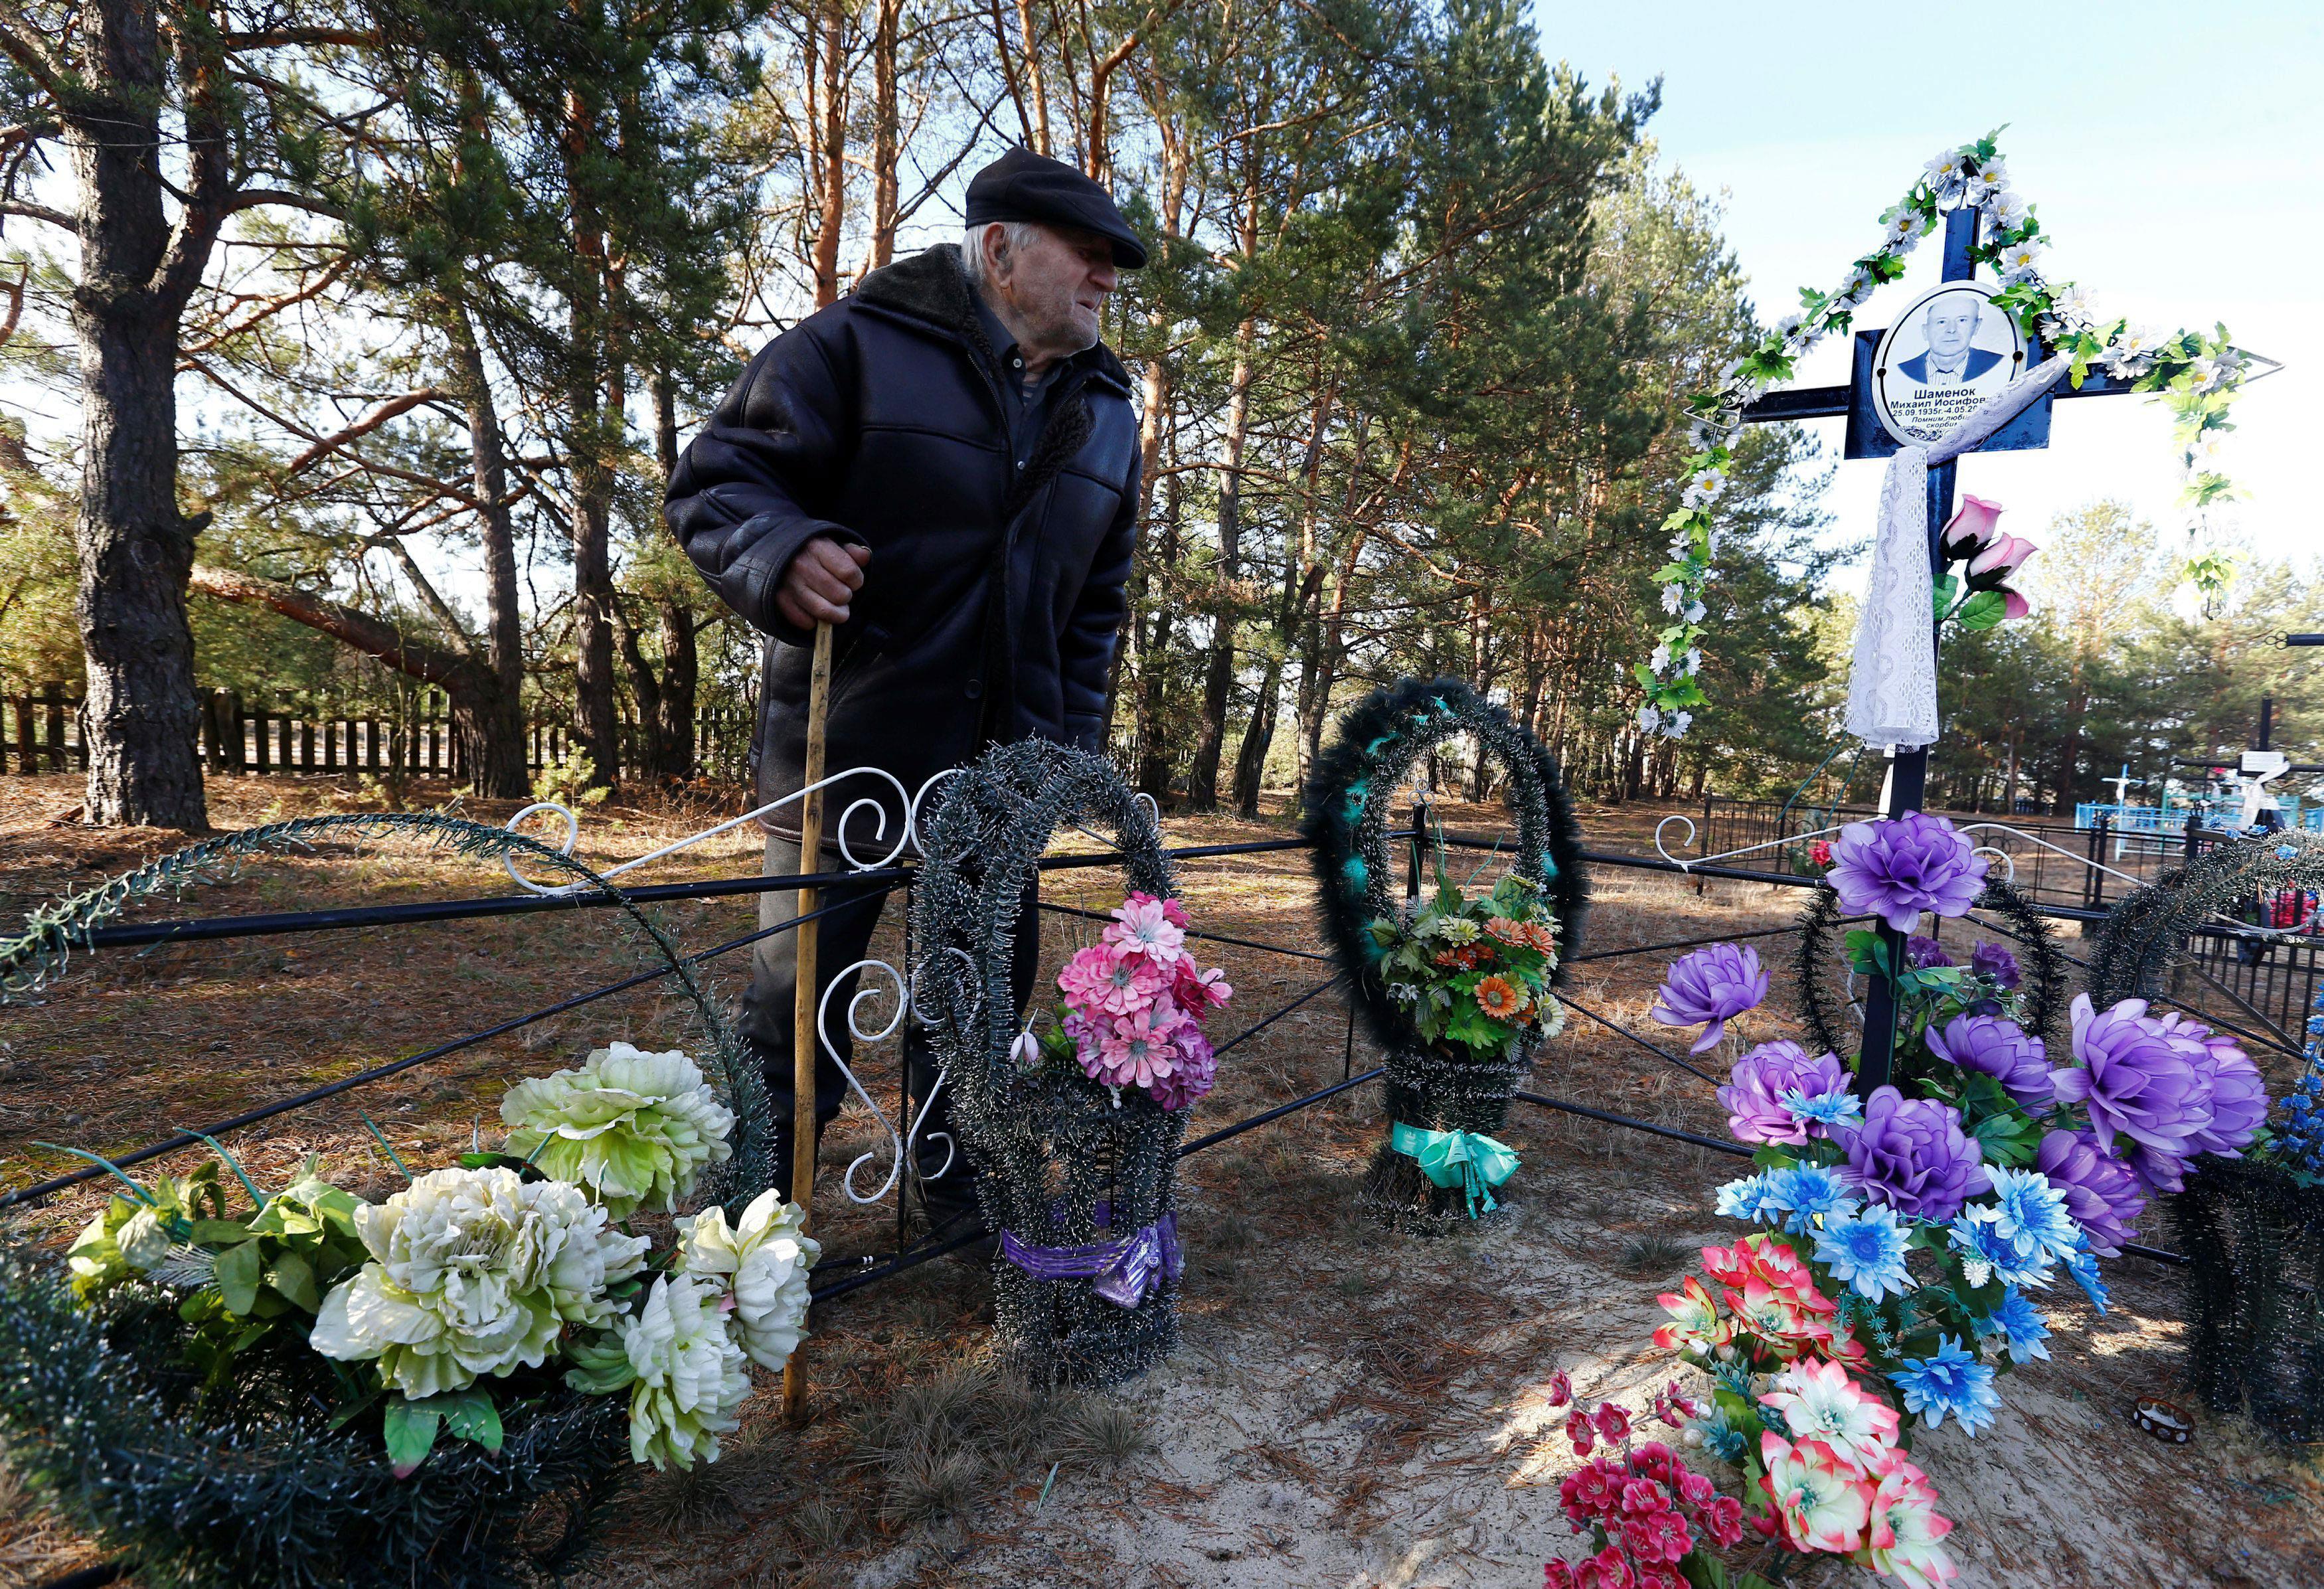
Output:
(1468, 1160)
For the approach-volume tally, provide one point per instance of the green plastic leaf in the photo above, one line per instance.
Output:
(240, 1269)
(294, 1277)
(411, 1428)
(1984, 610)
(471, 1416)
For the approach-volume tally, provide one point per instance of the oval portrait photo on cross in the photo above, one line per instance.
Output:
(1947, 352)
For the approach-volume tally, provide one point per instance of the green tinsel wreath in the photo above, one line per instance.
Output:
(1818, 950)
(1050, 1145)
(102, 1418)
(1349, 802)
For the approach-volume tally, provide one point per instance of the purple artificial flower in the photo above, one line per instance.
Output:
(1910, 1154)
(1713, 985)
(1193, 1075)
(2239, 1094)
(1754, 1097)
(2139, 1078)
(1922, 951)
(1995, 963)
(1895, 868)
(1998, 1047)
(2101, 1193)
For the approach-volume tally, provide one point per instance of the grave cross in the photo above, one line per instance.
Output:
(1908, 770)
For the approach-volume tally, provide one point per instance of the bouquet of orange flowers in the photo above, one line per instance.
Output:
(1473, 971)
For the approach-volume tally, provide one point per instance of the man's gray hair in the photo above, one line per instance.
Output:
(1014, 234)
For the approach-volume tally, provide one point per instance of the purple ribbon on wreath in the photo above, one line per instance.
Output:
(1125, 1268)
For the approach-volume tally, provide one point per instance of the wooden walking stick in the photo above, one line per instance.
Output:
(803, 1010)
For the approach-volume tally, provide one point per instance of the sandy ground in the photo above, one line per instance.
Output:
(1350, 1408)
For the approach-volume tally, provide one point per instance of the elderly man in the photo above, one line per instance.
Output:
(944, 466)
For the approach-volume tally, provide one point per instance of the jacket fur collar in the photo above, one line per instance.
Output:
(931, 287)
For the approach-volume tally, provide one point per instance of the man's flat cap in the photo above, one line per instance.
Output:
(1023, 186)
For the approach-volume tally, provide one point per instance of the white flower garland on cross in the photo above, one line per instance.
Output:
(2196, 374)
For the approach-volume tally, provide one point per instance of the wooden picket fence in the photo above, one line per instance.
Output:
(40, 732)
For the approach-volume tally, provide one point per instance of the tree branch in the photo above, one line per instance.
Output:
(38, 212)
(363, 427)
(254, 198)
(417, 660)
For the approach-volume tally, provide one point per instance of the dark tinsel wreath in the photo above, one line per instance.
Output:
(1051, 1145)
(2143, 939)
(2252, 1231)
(1347, 812)
(1818, 950)
(248, 1485)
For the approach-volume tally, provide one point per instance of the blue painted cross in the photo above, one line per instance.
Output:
(1908, 773)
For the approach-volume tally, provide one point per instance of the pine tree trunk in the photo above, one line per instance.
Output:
(134, 548)
(1218, 681)
(492, 724)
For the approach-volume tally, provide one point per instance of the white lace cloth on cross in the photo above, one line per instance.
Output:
(1892, 683)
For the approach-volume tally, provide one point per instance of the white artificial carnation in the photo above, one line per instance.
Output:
(763, 1262)
(635, 1128)
(474, 1273)
(689, 1372)
(1650, 716)
(1693, 614)
(1660, 659)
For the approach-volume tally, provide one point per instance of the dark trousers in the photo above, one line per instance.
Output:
(843, 933)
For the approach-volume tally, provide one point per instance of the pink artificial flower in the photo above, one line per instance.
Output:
(1560, 1388)
(1722, 1520)
(1696, 1490)
(1902, 1538)
(1137, 1049)
(1974, 524)
(1674, 1407)
(1643, 1497)
(1821, 1499)
(1696, 1324)
(1556, 1574)
(1657, 1536)
(1589, 1493)
(1172, 911)
(1577, 1429)
(1106, 979)
(1613, 1422)
(1658, 1462)
(1144, 925)
(1820, 1399)
(1605, 1570)
(1197, 991)
(2001, 556)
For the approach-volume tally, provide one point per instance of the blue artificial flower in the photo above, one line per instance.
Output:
(2032, 1214)
(1824, 1109)
(1722, 1439)
(2085, 1271)
(2020, 1326)
(1866, 1253)
(1950, 1379)
(1807, 1191)
(1749, 1198)
(1987, 1254)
